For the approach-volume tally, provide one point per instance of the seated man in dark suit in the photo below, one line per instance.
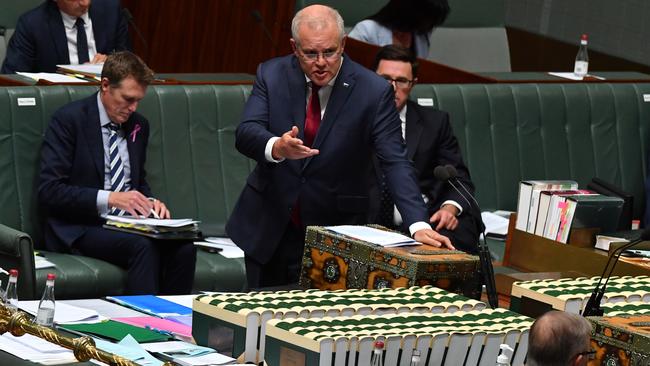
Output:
(430, 142)
(49, 35)
(92, 163)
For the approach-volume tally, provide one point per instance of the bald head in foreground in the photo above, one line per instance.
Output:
(558, 338)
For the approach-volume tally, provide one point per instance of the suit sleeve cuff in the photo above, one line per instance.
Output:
(417, 226)
(455, 204)
(102, 202)
(268, 151)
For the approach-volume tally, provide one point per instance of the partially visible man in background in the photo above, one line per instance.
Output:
(430, 142)
(66, 32)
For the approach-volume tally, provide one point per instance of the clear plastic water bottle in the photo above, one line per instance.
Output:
(377, 354)
(45, 314)
(11, 293)
(415, 358)
(581, 66)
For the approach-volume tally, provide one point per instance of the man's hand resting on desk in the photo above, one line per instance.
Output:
(445, 217)
(430, 237)
(98, 59)
(291, 147)
(137, 204)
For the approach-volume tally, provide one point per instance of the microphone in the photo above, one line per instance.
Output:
(593, 304)
(449, 174)
(129, 18)
(259, 19)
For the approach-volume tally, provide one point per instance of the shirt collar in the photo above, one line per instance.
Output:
(402, 114)
(103, 116)
(69, 21)
(331, 82)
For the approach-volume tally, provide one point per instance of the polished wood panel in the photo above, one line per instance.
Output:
(429, 71)
(210, 36)
(534, 52)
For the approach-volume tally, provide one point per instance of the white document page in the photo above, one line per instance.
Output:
(52, 77)
(152, 222)
(372, 235)
(63, 313)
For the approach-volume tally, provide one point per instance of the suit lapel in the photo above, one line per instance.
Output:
(99, 29)
(413, 129)
(131, 134)
(340, 92)
(297, 85)
(57, 30)
(93, 133)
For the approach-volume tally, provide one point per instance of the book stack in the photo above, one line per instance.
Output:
(155, 228)
(551, 208)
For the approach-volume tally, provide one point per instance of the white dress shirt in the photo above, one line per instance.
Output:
(71, 35)
(397, 216)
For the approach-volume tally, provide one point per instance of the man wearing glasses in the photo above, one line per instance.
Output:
(430, 142)
(559, 338)
(313, 123)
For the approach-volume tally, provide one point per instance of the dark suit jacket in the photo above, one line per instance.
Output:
(431, 142)
(39, 42)
(332, 187)
(72, 169)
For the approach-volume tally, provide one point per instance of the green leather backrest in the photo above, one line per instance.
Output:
(507, 132)
(511, 132)
(192, 164)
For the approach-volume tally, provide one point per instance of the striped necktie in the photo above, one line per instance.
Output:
(118, 179)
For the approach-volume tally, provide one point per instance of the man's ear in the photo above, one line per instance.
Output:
(294, 46)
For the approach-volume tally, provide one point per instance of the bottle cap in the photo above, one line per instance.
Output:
(13, 272)
(379, 345)
(583, 37)
(51, 276)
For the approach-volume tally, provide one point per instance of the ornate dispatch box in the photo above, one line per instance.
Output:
(621, 340)
(332, 261)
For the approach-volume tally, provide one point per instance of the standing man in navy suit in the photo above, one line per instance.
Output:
(92, 163)
(66, 32)
(430, 142)
(313, 123)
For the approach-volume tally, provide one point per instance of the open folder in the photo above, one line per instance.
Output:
(155, 228)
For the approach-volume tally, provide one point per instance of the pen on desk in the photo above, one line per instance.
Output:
(155, 215)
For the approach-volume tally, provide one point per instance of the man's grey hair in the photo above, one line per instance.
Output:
(317, 22)
(556, 338)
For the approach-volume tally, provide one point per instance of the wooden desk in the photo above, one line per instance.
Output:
(543, 77)
(161, 79)
(531, 253)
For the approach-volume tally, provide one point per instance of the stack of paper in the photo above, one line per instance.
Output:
(29, 347)
(64, 313)
(225, 246)
(384, 238)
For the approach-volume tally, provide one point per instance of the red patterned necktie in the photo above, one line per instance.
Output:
(312, 120)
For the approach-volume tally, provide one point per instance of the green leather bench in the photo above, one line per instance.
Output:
(512, 132)
(191, 164)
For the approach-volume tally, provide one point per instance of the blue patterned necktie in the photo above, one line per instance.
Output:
(386, 209)
(82, 41)
(118, 180)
